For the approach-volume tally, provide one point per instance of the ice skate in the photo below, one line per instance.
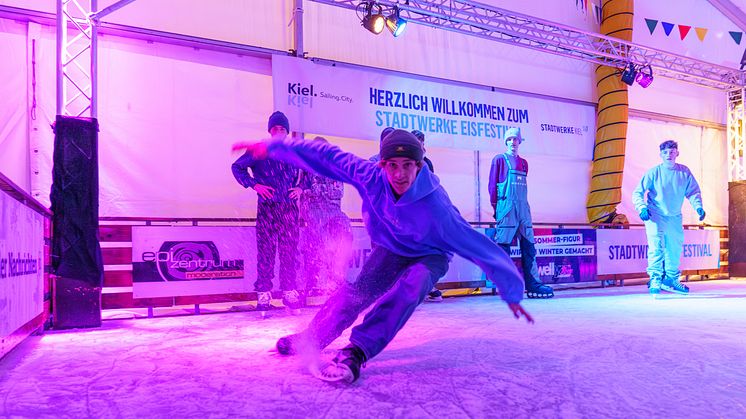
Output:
(674, 286)
(654, 286)
(344, 368)
(291, 300)
(263, 303)
(538, 290)
(434, 296)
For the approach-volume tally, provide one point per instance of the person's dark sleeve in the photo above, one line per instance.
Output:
(240, 169)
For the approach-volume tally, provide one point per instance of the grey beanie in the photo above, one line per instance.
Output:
(401, 143)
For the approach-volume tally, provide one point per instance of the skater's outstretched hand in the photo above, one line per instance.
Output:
(257, 149)
(518, 311)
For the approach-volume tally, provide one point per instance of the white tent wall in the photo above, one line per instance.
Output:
(168, 113)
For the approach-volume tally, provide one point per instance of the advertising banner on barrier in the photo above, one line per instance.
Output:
(626, 251)
(21, 264)
(352, 103)
(562, 255)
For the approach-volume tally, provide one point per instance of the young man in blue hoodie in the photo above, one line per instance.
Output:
(416, 228)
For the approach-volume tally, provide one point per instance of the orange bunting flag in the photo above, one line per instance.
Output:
(701, 33)
(684, 31)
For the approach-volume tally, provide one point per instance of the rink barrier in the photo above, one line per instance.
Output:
(115, 234)
(44, 319)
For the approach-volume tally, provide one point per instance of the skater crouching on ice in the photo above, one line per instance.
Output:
(416, 228)
(658, 199)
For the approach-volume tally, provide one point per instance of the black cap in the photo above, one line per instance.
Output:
(278, 118)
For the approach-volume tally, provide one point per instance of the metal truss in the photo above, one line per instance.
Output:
(736, 143)
(484, 21)
(76, 58)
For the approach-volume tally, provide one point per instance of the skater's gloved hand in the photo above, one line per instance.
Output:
(518, 311)
(701, 213)
(264, 191)
(644, 214)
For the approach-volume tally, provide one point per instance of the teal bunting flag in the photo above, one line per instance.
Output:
(652, 24)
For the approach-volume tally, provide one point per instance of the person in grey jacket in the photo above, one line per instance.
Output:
(658, 199)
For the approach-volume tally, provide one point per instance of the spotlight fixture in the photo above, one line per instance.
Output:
(629, 74)
(373, 19)
(395, 23)
(645, 76)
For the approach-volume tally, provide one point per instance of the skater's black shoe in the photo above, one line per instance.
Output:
(263, 302)
(538, 290)
(673, 285)
(345, 367)
(654, 285)
(287, 345)
(434, 296)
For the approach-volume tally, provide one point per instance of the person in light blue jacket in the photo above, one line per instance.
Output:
(658, 199)
(409, 216)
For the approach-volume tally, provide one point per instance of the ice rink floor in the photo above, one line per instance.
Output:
(593, 353)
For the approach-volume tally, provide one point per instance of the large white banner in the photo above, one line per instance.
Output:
(352, 103)
(626, 251)
(21, 264)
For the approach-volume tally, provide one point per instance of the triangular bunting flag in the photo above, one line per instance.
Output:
(701, 33)
(667, 27)
(736, 36)
(651, 24)
(684, 31)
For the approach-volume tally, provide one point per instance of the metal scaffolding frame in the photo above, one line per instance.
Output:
(484, 21)
(77, 49)
(77, 55)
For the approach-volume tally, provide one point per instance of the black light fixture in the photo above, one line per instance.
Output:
(372, 19)
(645, 76)
(395, 23)
(629, 74)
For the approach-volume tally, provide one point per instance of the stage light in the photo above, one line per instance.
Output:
(372, 21)
(629, 74)
(395, 23)
(645, 76)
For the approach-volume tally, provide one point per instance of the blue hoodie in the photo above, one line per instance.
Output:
(423, 221)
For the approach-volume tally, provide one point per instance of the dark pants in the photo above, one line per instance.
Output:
(276, 222)
(399, 284)
(528, 258)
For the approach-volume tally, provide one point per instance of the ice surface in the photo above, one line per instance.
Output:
(614, 352)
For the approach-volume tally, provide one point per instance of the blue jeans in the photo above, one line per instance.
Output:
(399, 284)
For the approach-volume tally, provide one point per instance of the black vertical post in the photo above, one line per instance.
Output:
(76, 253)
(737, 228)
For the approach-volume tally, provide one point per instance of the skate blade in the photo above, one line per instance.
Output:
(333, 373)
(674, 291)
